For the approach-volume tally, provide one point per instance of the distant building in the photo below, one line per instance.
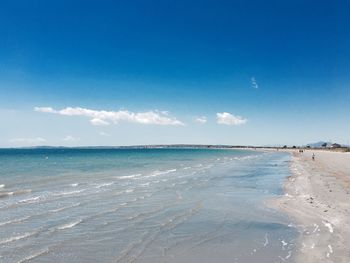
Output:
(336, 145)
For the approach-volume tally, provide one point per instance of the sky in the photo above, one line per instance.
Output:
(87, 73)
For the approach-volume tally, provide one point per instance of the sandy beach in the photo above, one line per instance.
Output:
(317, 198)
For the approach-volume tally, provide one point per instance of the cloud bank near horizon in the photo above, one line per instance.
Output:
(27, 141)
(104, 118)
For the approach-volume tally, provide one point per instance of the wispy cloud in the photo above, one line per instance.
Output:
(27, 141)
(99, 122)
(201, 119)
(103, 118)
(230, 119)
(70, 138)
(254, 83)
(103, 133)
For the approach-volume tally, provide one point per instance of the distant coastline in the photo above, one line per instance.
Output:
(189, 146)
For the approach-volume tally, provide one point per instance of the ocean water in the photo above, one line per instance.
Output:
(142, 205)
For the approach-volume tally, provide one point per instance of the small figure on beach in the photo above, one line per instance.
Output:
(313, 157)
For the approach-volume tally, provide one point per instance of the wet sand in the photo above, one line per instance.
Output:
(317, 198)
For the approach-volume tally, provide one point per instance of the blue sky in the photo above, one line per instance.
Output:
(144, 72)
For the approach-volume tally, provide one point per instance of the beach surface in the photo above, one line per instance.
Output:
(317, 197)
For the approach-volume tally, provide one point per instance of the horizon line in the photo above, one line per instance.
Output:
(177, 145)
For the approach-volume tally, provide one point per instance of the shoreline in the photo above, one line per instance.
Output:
(317, 198)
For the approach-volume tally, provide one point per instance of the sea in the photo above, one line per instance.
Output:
(143, 205)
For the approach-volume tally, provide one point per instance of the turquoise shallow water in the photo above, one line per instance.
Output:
(142, 205)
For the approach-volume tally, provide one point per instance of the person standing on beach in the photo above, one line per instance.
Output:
(313, 156)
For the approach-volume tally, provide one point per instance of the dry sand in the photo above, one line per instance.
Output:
(318, 199)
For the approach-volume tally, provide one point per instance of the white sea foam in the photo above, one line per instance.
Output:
(74, 185)
(129, 176)
(70, 224)
(289, 255)
(30, 200)
(2, 186)
(15, 238)
(16, 220)
(104, 184)
(266, 240)
(330, 249)
(69, 192)
(64, 208)
(157, 173)
(33, 256)
(284, 243)
(329, 226)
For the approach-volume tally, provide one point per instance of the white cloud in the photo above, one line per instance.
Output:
(70, 138)
(27, 141)
(99, 122)
(229, 119)
(254, 83)
(201, 119)
(44, 109)
(102, 117)
(103, 133)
